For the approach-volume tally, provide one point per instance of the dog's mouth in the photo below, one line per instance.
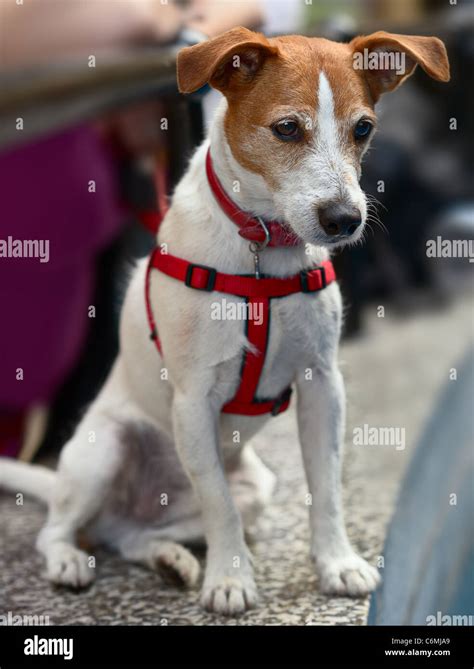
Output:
(318, 237)
(336, 241)
(315, 235)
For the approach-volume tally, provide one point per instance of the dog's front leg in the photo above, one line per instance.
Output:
(321, 422)
(229, 586)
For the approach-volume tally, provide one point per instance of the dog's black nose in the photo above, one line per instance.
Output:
(339, 219)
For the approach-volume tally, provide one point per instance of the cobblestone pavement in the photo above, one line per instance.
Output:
(393, 374)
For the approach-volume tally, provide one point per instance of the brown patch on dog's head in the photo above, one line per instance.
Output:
(310, 84)
(263, 79)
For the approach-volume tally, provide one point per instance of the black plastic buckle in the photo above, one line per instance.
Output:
(286, 394)
(211, 279)
(304, 280)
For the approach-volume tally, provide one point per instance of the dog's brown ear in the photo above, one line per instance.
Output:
(389, 59)
(230, 59)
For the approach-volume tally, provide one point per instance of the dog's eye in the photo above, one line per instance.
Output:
(287, 130)
(362, 130)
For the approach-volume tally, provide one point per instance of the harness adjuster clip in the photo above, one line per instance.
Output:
(305, 288)
(211, 279)
(284, 397)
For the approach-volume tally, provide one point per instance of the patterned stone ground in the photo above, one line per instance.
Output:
(393, 374)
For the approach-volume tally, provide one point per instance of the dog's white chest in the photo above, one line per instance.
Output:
(304, 330)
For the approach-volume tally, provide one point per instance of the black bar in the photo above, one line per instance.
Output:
(240, 645)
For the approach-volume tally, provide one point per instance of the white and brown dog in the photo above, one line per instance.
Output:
(154, 462)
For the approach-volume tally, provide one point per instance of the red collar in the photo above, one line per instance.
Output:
(251, 228)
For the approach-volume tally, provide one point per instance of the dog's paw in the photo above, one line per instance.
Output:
(174, 563)
(69, 566)
(230, 596)
(347, 575)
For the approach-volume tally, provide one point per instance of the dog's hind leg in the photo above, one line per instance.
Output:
(87, 466)
(251, 484)
(159, 550)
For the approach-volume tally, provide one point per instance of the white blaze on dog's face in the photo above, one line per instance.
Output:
(301, 115)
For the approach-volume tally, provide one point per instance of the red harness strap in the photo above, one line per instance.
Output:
(244, 401)
(258, 292)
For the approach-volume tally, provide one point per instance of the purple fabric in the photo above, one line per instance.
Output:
(44, 306)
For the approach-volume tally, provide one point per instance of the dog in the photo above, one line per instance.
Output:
(163, 456)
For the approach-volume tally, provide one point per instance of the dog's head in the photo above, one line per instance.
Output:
(301, 115)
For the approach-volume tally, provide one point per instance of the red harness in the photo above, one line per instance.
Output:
(257, 292)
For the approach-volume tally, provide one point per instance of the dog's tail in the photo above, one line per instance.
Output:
(21, 477)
